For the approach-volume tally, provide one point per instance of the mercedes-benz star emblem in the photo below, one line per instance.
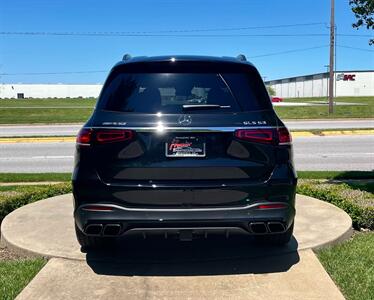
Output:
(185, 120)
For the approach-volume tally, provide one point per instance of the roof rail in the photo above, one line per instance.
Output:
(126, 57)
(241, 57)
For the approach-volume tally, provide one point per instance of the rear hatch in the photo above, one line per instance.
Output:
(188, 138)
(163, 152)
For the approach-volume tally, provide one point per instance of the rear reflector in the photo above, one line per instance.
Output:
(113, 135)
(97, 208)
(271, 206)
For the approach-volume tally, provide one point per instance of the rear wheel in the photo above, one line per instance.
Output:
(92, 242)
(276, 239)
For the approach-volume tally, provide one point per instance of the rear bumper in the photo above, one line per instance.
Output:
(279, 188)
(131, 219)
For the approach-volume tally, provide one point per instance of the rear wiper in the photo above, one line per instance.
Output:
(204, 106)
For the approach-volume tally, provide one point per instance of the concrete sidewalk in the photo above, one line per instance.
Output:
(289, 276)
(157, 268)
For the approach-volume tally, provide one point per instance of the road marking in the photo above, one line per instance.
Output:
(39, 140)
(36, 157)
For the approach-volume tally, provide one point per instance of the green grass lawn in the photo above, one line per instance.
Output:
(34, 177)
(45, 110)
(351, 266)
(29, 111)
(321, 112)
(338, 175)
(16, 274)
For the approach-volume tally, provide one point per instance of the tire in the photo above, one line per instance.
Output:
(278, 239)
(93, 242)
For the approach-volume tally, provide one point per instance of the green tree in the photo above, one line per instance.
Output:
(364, 12)
(270, 90)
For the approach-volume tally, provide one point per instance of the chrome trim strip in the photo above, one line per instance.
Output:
(161, 129)
(179, 209)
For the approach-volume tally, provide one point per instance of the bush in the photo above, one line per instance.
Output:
(359, 205)
(14, 197)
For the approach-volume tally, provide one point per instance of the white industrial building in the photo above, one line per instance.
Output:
(347, 83)
(49, 90)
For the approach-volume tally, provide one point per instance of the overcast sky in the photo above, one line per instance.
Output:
(21, 55)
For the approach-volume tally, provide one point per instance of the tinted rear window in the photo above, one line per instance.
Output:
(167, 92)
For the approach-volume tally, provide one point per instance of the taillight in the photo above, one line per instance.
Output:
(265, 136)
(256, 135)
(284, 136)
(88, 136)
(84, 136)
(113, 135)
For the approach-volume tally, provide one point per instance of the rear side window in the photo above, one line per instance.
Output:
(170, 92)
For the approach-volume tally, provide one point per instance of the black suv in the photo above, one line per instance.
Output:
(184, 146)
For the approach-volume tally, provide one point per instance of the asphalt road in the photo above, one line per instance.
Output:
(72, 129)
(344, 152)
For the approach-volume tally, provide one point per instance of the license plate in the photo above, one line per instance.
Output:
(185, 146)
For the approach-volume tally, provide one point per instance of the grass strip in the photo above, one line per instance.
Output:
(34, 177)
(16, 274)
(351, 266)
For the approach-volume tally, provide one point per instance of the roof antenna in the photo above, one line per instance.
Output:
(126, 57)
(241, 57)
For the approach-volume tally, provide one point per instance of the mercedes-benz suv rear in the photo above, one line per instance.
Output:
(184, 146)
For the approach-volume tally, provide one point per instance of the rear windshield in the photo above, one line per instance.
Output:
(176, 92)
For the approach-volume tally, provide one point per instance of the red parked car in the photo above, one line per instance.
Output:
(276, 99)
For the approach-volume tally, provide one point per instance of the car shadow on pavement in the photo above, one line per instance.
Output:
(212, 256)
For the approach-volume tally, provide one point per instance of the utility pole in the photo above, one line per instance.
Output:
(332, 48)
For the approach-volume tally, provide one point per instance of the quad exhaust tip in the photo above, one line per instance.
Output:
(269, 227)
(258, 227)
(94, 229)
(112, 230)
(103, 230)
(276, 227)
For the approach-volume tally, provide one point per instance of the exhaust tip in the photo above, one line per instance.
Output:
(112, 229)
(276, 227)
(94, 229)
(258, 227)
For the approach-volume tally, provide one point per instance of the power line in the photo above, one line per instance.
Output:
(113, 34)
(288, 51)
(355, 48)
(105, 71)
(232, 28)
(255, 56)
(173, 31)
(124, 34)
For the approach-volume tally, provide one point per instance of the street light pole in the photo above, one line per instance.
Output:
(332, 48)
